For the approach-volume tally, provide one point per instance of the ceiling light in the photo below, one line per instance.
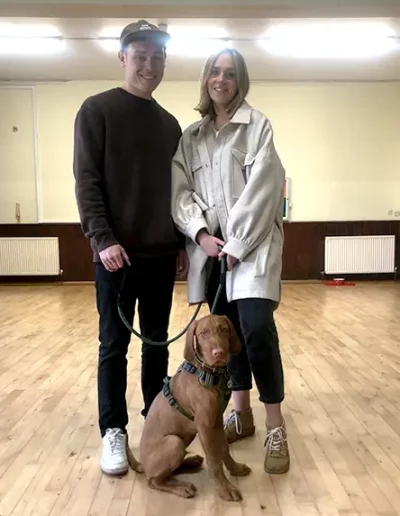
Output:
(189, 41)
(111, 32)
(28, 31)
(197, 41)
(29, 46)
(29, 39)
(176, 46)
(196, 47)
(111, 45)
(330, 40)
(109, 39)
(197, 32)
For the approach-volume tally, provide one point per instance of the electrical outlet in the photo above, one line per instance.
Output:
(397, 213)
(390, 212)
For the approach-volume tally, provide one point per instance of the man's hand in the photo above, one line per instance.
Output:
(182, 264)
(231, 261)
(113, 257)
(209, 243)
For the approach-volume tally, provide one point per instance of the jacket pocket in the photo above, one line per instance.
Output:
(199, 201)
(195, 165)
(260, 266)
(196, 172)
(242, 162)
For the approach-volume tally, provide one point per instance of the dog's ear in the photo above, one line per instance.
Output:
(234, 342)
(188, 352)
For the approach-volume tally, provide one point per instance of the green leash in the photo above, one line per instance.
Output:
(169, 341)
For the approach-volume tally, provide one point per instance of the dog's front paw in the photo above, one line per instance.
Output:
(186, 490)
(229, 493)
(240, 470)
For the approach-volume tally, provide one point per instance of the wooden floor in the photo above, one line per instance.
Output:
(341, 354)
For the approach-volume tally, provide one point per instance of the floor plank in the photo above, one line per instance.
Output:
(341, 353)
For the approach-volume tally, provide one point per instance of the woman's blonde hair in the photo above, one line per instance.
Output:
(206, 105)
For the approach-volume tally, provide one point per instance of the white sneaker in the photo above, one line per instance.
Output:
(114, 460)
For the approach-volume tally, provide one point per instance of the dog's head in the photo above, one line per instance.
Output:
(213, 338)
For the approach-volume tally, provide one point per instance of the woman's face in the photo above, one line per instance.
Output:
(222, 83)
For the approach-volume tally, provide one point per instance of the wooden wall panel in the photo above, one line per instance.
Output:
(303, 257)
(76, 257)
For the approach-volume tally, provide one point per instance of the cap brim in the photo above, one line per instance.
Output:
(160, 37)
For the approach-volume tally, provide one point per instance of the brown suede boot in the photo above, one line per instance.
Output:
(239, 425)
(277, 458)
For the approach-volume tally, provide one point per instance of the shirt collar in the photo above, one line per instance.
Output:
(242, 116)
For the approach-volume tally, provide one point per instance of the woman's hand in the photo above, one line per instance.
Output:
(209, 243)
(231, 261)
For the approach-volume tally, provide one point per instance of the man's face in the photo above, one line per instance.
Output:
(144, 63)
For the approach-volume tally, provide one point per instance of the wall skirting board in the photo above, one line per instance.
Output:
(303, 253)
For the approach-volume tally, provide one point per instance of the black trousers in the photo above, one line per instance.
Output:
(150, 282)
(260, 357)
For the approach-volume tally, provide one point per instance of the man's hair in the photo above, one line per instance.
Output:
(206, 105)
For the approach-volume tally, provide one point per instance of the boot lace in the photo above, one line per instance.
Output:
(275, 439)
(233, 419)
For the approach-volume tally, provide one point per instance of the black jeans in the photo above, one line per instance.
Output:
(150, 281)
(253, 319)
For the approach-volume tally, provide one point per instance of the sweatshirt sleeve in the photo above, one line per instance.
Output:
(89, 135)
(186, 213)
(254, 213)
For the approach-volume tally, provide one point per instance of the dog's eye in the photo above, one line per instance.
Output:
(204, 334)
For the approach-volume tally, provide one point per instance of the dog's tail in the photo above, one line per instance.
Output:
(133, 462)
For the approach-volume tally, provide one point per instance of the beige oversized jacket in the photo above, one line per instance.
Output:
(241, 191)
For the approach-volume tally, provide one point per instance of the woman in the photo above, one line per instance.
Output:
(228, 186)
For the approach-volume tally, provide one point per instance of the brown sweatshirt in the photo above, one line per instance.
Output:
(123, 148)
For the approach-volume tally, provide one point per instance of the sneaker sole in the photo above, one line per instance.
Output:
(247, 433)
(273, 471)
(115, 472)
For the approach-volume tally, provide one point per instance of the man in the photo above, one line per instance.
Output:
(123, 147)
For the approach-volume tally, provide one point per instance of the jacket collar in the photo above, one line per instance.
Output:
(242, 116)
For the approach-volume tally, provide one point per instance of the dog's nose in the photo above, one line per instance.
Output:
(218, 352)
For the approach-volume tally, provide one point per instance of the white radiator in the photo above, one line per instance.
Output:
(29, 256)
(360, 254)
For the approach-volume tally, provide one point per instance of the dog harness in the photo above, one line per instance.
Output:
(217, 378)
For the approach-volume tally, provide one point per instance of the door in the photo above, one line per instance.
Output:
(18, 198)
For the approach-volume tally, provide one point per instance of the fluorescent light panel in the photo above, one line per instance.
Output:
(197, 41)
(110, 45)
(197, 32)
(28, 31)
(189, 41)
(30, 46)
(196, 47)
(334, 40)
(16, 39)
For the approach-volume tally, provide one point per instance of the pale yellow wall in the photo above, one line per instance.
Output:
(57, 105)
(340, 146)
(339, 143)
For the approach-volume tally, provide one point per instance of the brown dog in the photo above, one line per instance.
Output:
(193, 403)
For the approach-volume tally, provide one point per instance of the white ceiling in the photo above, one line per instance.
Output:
(84, 59)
